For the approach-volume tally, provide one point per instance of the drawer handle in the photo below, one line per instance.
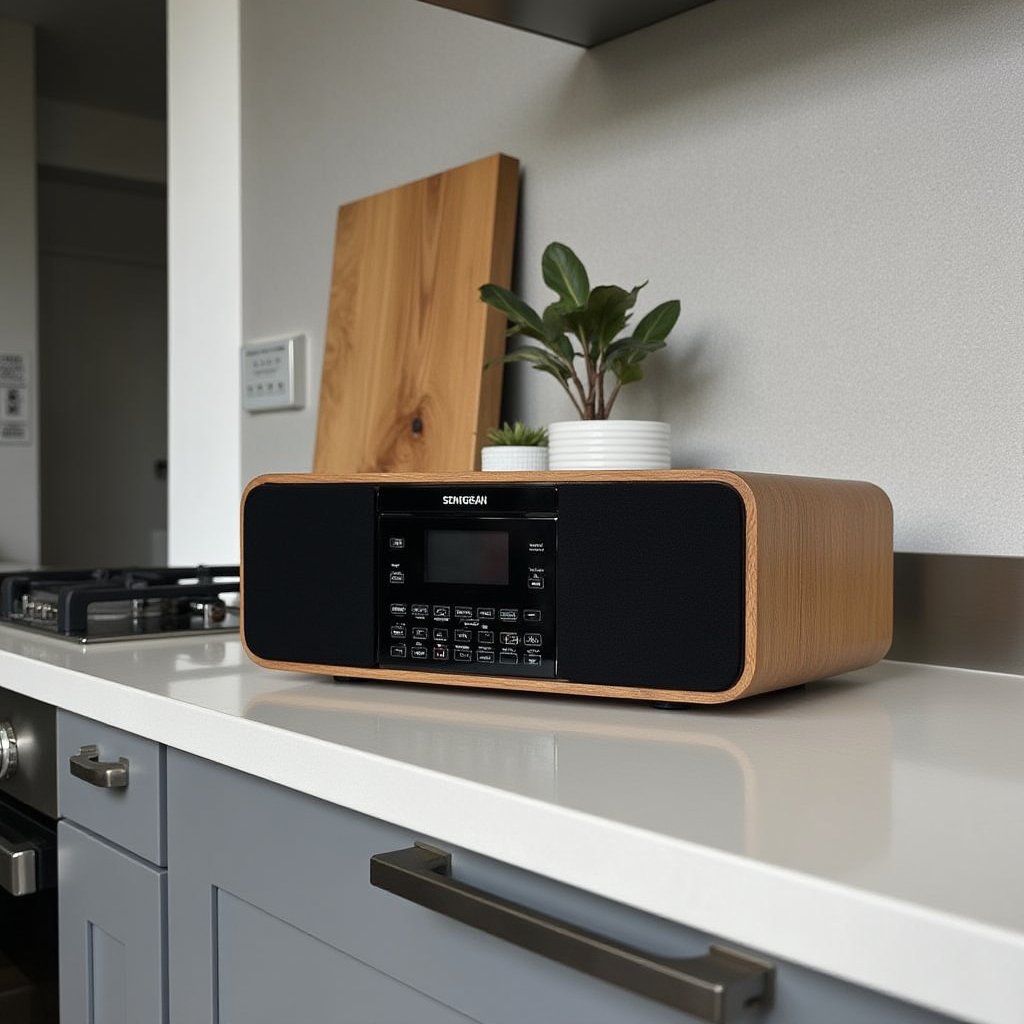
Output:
(86, 765)
(714, 987)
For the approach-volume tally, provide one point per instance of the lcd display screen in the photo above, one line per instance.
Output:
(467, 556)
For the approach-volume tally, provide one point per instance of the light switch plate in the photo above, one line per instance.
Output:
(274, 374)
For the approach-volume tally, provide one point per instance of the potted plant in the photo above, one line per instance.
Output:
(583, 345)
(515, 447)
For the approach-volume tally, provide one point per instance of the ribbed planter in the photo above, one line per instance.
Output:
(513, 458)
(609, 444)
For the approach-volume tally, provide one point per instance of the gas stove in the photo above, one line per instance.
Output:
(99, 605)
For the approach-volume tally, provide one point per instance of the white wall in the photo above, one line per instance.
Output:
(19, 464)
(204, 299)
(834, 191)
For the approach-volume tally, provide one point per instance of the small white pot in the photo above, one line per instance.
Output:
(610, 444)
(510, 458)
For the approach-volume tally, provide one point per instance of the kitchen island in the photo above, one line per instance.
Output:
(866, 827)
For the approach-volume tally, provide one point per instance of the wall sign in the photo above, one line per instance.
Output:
(14, 412)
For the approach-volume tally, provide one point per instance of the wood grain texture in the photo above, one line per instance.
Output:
(407, 336)
(818, 595)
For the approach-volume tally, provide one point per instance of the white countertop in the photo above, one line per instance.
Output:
(868, 826)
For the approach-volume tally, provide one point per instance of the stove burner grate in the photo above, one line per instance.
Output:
(113, 604)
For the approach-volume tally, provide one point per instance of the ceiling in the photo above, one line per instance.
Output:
(99, 53)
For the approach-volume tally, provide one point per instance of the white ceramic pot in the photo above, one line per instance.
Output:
(510, 458)
(609, 444)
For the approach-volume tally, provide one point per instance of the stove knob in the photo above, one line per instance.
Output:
(8, 751)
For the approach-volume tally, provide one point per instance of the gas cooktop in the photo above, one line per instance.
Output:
(98, 605)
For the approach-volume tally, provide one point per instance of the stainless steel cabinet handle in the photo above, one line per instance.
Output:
(86, 765)
(17, 868)
(714, 987)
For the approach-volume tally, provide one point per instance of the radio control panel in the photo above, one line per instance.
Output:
(467, 590)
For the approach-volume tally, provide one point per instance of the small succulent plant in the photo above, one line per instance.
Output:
(595, 317)
(518, 434)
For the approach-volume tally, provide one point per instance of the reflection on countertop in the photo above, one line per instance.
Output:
(722, 778)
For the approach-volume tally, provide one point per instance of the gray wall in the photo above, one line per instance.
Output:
(19, 463)
(833, 190)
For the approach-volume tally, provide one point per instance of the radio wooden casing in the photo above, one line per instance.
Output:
(677, 586)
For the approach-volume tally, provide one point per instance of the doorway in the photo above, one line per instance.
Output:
(102, 370)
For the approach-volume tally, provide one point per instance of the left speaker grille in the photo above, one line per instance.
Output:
(307, 573)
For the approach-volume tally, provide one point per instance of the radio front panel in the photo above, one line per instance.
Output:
(466, 579)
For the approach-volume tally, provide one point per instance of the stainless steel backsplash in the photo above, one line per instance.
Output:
(962, 610)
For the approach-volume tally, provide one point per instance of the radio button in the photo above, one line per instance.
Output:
(421, 611)
(531, 659)
(533, 640)
(485, 636)
(398, 631)
(463, 655)
(485, 657)
(397, 650)
(462, 612)
(419, 652)
(440, 653)
(509, 615)
(440, 634)
(510, 639)
(442, 611)
(464, 635)
(485, 613)
(532, 614)
(420, 633)
(396, 577)
(508, 659)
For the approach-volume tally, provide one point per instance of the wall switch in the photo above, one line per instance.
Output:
(274, 374)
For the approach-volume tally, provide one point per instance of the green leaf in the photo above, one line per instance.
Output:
(565, 275)
(540, 359)
(658, 323)
(554, 333)
(607, 314)
(628, 372)
(522, 315)
(631, 349)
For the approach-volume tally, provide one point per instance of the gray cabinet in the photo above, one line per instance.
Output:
(112, 885)
(112, 932)
(272, 916)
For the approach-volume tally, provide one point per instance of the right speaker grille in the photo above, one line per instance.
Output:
(651, 585)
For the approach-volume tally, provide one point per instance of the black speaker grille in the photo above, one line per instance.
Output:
(651, 584)
(308, 558)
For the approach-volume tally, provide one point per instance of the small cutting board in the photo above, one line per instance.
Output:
(403, 387)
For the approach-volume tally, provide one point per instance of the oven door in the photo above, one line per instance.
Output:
(28, 911)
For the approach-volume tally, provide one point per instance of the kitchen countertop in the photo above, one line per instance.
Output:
(867, 826)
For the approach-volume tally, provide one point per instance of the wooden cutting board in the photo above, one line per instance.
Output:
(403, 387)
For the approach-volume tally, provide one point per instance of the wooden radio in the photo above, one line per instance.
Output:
(677, 586)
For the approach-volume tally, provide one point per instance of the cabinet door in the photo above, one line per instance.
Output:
(272, 917)
(113, 910)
